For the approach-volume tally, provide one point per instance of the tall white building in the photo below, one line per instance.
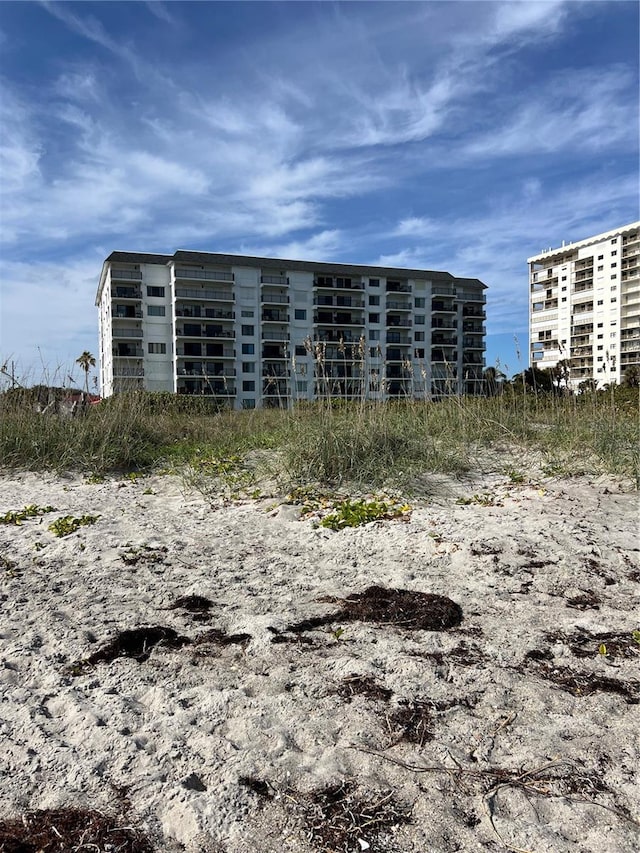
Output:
(254, 332)
(584, 306)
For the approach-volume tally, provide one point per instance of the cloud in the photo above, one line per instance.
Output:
(583, 109)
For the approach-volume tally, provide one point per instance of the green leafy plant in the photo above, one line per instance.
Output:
(484, 499)
(17, 516)
(94, 479)
(516, 477)
(636, 636)
(68, 524)
(337, 633)
(353, 513)
(602, 650)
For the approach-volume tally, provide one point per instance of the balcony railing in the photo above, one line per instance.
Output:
(126, 333)
(204, 275)
(394, 305)
(338, 284)
(274, 298)
(205, 313)
(274, 335)
(132, 315)
(129, 352)
(205, 293)
(274, 279)
(126, 293)
(125, 275)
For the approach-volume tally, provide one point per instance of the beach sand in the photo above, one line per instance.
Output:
(517, 729)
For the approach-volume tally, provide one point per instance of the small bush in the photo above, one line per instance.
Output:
(68, 524)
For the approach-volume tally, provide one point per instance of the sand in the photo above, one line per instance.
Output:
(513, 730)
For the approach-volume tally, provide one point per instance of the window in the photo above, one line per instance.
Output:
(248, 404)
(248, 367)
(600, 257)
(614, 299)
(600, 325)
(614, 275)
(301, 386)
(158, 349)
(600, 348)
(374, 335)
(249, 385)
(155, 310)
(564, 299)
(538, 306)
(246, 313)
(600, 302)
(418, 336)
(374, 352)
(374, 318)
(420, 302)
(419, 319)
(374, 282)
(248, 349)
(612, 334)
(564, 278)
(419, 353)
(614, 241)
(300, 349)
(300, 314)
(614, 264)
(600, 337)
(614, 253)
(155, 291)
(600, 268)
(247, 330)
(374, 299)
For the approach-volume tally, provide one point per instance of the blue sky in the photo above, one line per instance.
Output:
(463, 136)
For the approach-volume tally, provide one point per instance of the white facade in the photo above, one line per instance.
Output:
(584, 306)
(252, 332)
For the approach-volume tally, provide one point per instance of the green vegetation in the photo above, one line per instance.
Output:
(331, 443)
(68, 524)
(17, 516)
(353, 513)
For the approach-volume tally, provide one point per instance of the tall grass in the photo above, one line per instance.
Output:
(349, 442)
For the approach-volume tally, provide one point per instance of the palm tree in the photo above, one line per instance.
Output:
(86, 362)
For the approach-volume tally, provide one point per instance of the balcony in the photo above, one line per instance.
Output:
(472, 311)
(203, 275)
(339, 283)
(210, 351)
(272, 387)
(125, 275)
(205, 293)
(398, 338)
(337, 301)
(395, 305)
(275, 335)
(276, 370)
(268, 298)
(270, 316)
(398, 322)
(123, 332)
(274, 279)
(337, 318)
(444, 340)
(191, 312)
(123, 312)
(127, 351)
(398, 287)
(337, 337)
(126, 292)
(194, 331)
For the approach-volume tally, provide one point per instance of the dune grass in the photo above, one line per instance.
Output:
(333, 442)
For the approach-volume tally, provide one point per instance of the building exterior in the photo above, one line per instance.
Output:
(256, 332)
(584, 306)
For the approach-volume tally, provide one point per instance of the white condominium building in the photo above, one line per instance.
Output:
(584, 306)
(255, 332)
